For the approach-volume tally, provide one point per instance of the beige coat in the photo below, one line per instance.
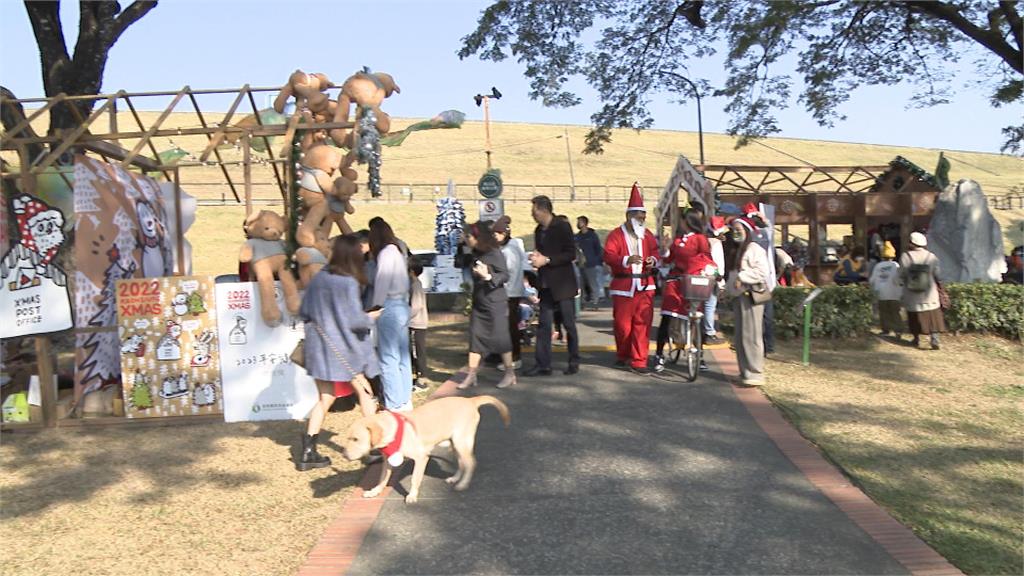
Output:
(753, 270)
(920, 301)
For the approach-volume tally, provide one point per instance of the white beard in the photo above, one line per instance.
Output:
(638, 227)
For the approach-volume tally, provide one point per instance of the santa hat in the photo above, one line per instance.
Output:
(27, 211)
(745, 222)
(718, 225)
(749, 208)
(636, 200)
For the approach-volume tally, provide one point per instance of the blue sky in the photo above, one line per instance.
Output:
(228, 43)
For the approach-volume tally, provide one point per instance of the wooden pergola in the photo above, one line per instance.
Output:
(240, 124)
(815, 196)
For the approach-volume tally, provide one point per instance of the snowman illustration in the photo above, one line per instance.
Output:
(179, 304)
(151, 240)
(169, 346)
(174, 386)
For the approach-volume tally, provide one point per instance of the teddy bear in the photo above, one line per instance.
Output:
(366, 90)
(309, 92)
(264, 251)
(312, 255)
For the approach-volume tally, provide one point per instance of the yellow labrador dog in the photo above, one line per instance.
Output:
(415, 434)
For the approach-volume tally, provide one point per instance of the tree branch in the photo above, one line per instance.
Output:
(53, 53)
(990, 39)
(1013, 19)
(131, 14)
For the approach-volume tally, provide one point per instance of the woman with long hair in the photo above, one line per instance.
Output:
(749, 273)
(488, 320)
(391, 296)
(689, 253)
(339, 352)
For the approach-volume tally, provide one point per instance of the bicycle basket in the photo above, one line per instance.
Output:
(698, 287)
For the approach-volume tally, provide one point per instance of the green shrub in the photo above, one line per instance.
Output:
(995, 308)
(843, 311)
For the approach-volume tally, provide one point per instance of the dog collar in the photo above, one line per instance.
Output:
(393, 451)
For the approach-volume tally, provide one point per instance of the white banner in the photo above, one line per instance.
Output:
(259, 380)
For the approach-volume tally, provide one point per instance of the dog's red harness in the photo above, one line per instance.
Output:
(393, 451)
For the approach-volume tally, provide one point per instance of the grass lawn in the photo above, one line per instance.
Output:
(194, 499)
(937, 438)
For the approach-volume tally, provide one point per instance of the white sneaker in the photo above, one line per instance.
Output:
(659, 363)
(516, 365)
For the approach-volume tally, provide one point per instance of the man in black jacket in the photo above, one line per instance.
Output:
(553, 257)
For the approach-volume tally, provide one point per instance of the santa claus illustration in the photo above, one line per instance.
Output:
(41, 232)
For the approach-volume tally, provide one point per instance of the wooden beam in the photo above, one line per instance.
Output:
(111, 150)
(247, 172)
(148, 135)
(13, 132)
(71, 139)
(266, 142)
(289, 134)
(216, 152)
(218, 137)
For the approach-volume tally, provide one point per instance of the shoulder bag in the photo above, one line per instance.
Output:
(298, 356)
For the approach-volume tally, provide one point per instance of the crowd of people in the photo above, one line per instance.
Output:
(366, 319)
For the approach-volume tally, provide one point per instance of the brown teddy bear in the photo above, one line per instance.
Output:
(264, 251)
(309, 92)
(313, 257)
(368, 91)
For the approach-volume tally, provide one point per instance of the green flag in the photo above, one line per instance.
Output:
(942, 172)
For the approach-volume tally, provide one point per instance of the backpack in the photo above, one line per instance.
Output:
(919, 278)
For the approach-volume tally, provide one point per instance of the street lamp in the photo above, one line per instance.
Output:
(485, 100)
(696, 93)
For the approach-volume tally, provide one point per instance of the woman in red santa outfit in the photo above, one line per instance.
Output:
(631, 251)
(690, 254)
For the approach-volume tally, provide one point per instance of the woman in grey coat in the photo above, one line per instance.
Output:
(919, 270)
(339, 351)
(488, 321)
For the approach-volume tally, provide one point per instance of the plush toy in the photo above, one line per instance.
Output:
(366, 90)
(308, 90)
(311, 258)
(264, 251)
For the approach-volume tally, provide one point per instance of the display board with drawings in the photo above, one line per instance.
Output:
(260, 381)
(169, 347)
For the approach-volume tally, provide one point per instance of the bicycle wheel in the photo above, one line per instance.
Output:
(693, 350)
(675, 343)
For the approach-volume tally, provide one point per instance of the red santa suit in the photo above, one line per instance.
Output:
(688, 254)
(632, 287)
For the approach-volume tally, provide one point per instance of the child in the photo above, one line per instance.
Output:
(418, 327)
(885, 283)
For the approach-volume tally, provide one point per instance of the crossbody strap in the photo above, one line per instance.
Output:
(330, 343)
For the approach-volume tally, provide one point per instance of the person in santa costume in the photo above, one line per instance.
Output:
(631, 251)
(689, 253)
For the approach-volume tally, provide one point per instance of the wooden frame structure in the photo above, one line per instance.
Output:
(87, 137)
(817, 196)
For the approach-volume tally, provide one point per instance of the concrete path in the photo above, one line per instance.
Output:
(607, 472)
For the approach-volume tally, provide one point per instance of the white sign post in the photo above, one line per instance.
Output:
(259, 380)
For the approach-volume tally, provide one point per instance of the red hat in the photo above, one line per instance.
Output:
(718, 225)
(749, 208)
(27, 211)
(636, 200)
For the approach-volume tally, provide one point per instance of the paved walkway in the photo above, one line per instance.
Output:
(607, 472)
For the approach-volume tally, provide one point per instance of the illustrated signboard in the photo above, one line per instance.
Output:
(34, 292)
(260, 381)
(168, 346)
(120, 233)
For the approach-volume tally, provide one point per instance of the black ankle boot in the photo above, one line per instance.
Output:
(310, 458)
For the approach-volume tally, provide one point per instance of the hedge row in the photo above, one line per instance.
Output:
(843, 311)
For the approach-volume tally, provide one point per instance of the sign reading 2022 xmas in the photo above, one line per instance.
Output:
(260, 381)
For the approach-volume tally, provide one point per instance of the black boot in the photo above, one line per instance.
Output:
(310, 458)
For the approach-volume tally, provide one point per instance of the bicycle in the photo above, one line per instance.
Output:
(696, 290)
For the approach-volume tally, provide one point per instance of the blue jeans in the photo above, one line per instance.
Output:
(393, 349)
(709, 313)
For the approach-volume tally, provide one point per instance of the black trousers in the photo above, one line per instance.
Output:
(768, 329)
(418, 351)
(513, 328)
(548, 305)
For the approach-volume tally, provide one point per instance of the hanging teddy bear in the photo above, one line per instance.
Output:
(367, 90)
(264, 251)
(309, 91)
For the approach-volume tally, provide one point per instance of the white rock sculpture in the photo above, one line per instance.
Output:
(965, 236)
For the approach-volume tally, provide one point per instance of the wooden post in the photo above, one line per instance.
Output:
(48, 392)
(178, 223)
(813, 241)
(785, 233)
(247, 171)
